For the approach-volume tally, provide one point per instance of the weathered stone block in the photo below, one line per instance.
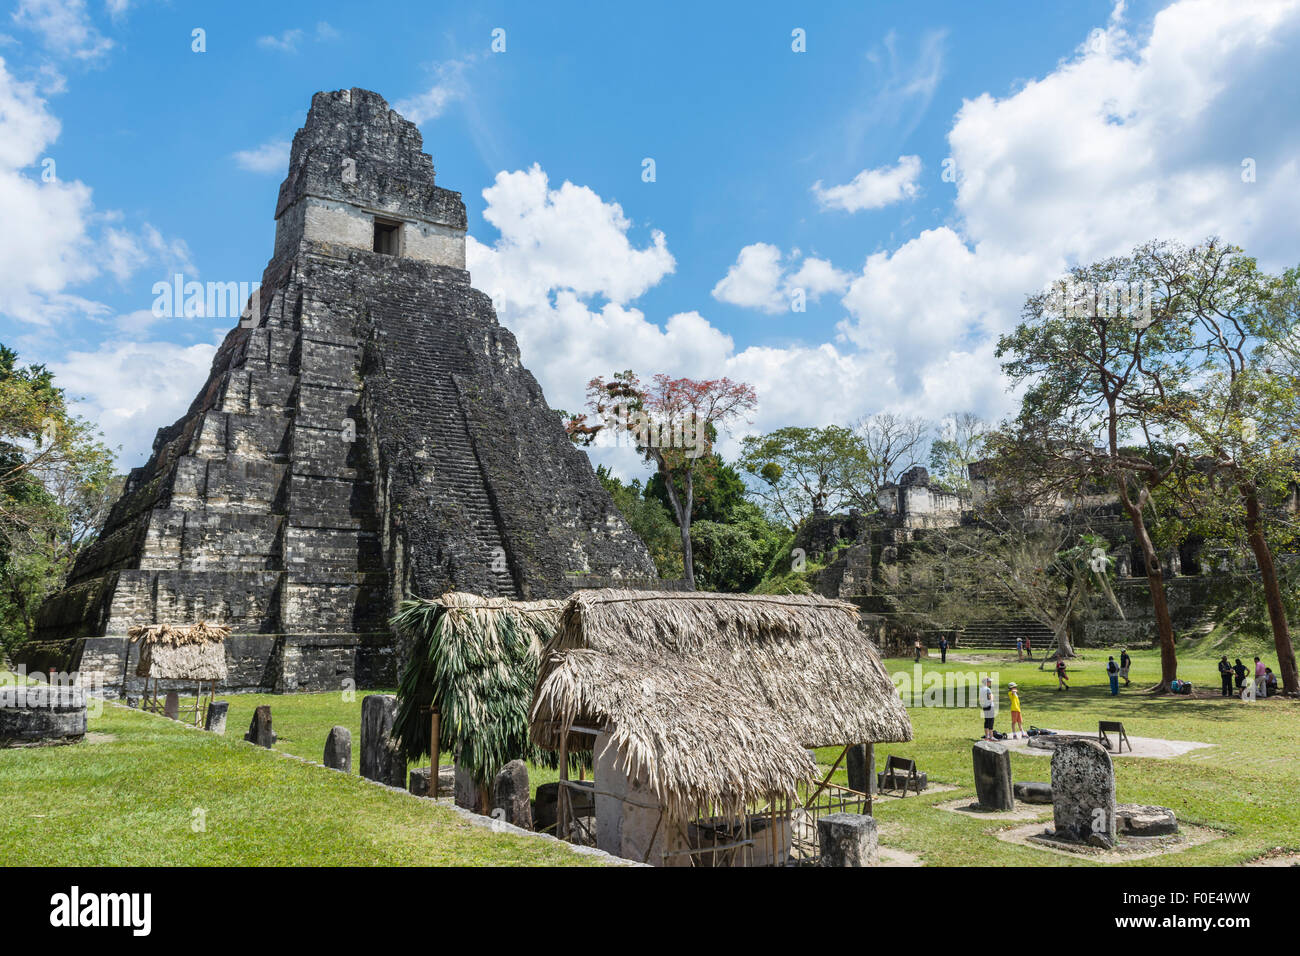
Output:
(1134, 819)
(510, 795)
(467, 792)
(41, 715)
(338, 749)
(215, 720)
(848, 839)
(172, 705)
(259, 729)
(862, 768)
(420, 781)
(381, 758)
(1083, 793)
(993, 775)
(1033, 792)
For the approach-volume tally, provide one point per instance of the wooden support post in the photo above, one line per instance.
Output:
(434, 756)
(871, 781)
(562, 795)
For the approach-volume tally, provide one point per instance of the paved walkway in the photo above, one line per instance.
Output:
(1142, 746)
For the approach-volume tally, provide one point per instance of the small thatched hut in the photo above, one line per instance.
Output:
(703, 707)
(194, 653)
(474, 660)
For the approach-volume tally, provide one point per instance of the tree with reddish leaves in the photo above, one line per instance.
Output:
(673, 423)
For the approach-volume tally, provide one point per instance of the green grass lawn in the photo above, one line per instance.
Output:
(130, 796)
(1246, 786)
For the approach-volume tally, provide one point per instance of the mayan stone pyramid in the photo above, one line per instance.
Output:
(367, 433)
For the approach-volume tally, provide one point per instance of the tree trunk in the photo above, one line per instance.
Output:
(683, 516)
(1286, 664)
(1064, 648)
(688, 555)
(1159, 602)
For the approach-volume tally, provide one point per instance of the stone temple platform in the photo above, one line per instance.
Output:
(368, 432)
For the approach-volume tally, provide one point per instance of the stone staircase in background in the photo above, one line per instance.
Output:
(457, 473)
(1002, 635)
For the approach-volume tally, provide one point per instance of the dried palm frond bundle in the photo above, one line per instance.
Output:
(714, 697)
(476, 659)
(194, 652)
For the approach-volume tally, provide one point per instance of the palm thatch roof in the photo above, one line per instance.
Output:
(714, 697)
(181, 652)
(477, 659)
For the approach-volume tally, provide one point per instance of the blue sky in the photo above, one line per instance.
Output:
(1075, 131)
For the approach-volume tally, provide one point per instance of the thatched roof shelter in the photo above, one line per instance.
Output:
(476, 658)
(714, 698)
(175, 652)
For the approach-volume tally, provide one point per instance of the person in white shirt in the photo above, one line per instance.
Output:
(988, 705)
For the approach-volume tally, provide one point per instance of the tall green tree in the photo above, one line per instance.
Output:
(56, 481)
(798, 471)
(673, 423)
(1241, 417)
(1100, 374)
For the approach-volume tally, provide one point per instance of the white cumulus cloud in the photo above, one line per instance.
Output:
(270, 157)
(873, 188)
(762, 278)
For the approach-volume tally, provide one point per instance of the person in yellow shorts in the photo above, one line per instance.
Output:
(1017, 727)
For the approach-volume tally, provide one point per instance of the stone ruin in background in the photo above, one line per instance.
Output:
(862, 551)
(367, 433)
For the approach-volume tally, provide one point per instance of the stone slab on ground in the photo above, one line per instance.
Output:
(1154, 747)
(1032, 792)
(1136, 819)
(896, 781)
(446, 782)
(1037, 837)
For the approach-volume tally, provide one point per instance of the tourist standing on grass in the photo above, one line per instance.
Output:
(943, 648)
(1020, 649)
(1125, 662)
(988, 706)
(1029, 649)
(916, 647)
(1112, 671)
(1225, 676)
(1062, 683)
(1017, 724)
(1239, 670)
(1259, 677)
